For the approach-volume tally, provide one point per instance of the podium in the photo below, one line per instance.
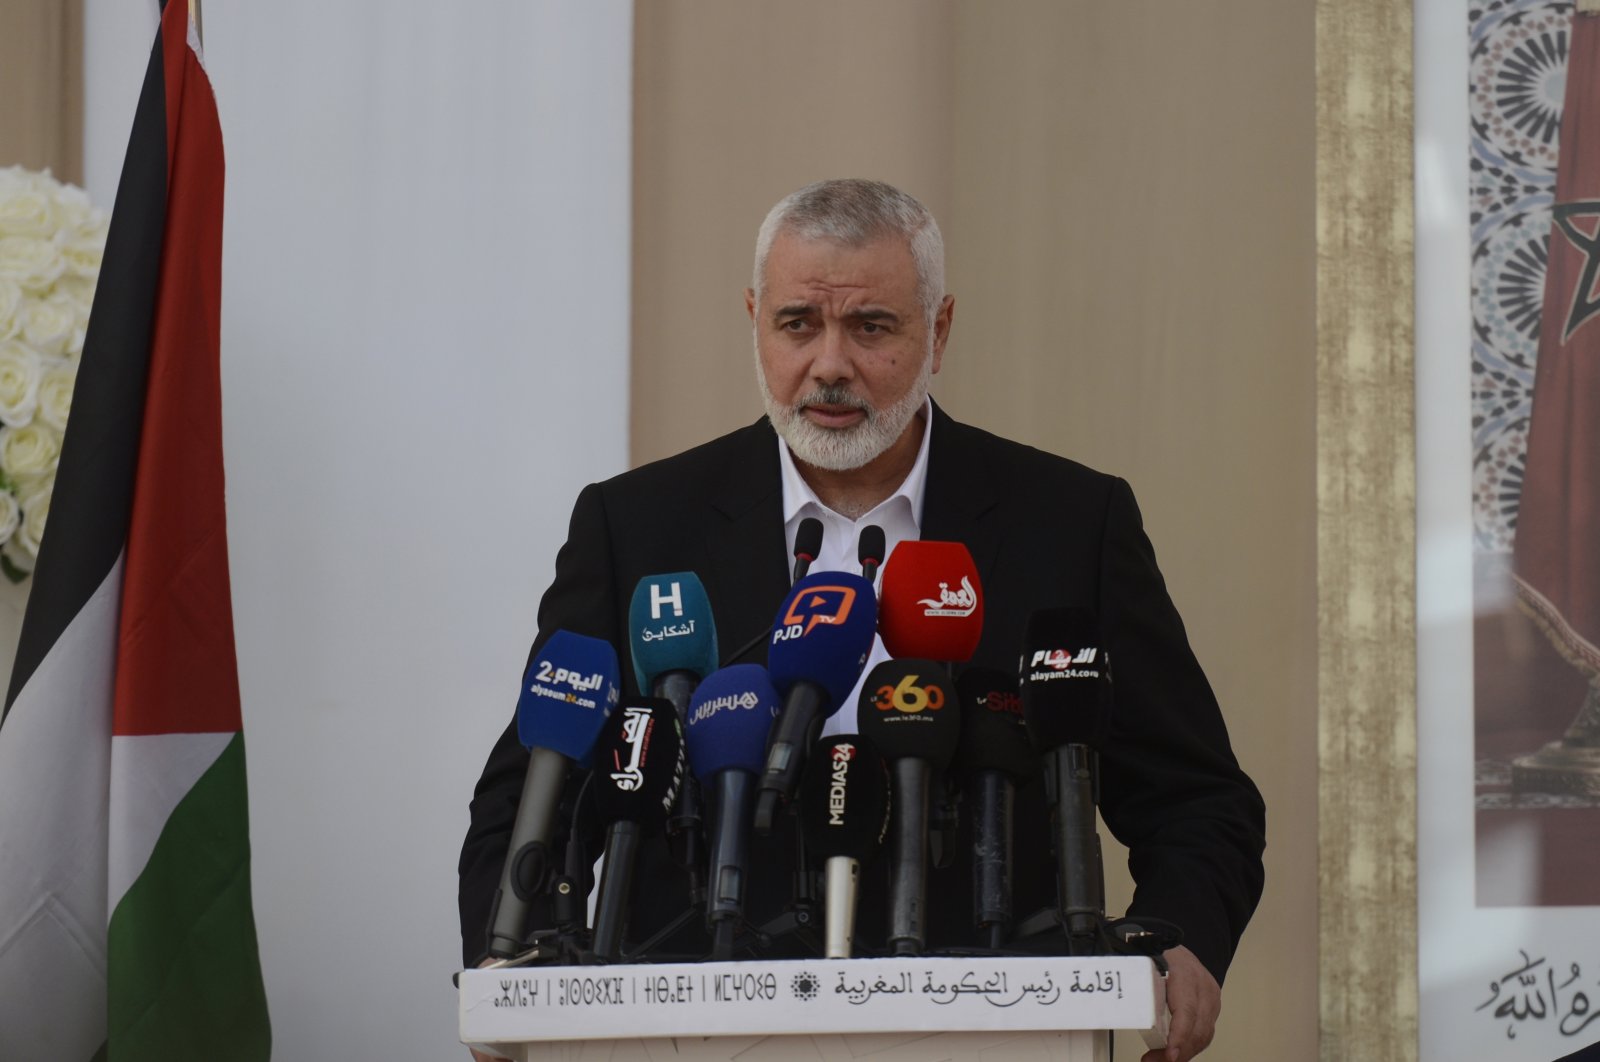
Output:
(894, 1009)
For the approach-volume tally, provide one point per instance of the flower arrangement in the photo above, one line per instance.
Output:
(51, 240)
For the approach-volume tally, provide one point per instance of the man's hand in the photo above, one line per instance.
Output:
(483, 1056)
(1195, 999)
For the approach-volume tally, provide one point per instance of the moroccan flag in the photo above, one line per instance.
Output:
(126, 929)
(1558, 525)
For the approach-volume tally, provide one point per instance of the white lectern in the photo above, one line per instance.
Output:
(896, 1010)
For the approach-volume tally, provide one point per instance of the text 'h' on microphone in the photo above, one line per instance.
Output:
(672, 638)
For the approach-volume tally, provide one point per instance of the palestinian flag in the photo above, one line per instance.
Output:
(1557, 561)
(125, 923)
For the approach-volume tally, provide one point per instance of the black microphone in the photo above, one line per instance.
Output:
(993, 759)
(672, 637)
(910, 712)
(1066, 689)
(869, 551)
(844, 813)
(638, 767)
(807, 545)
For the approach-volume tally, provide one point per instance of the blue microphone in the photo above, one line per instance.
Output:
(672, 638)
(671, 634)
(820, 642)
(567, 693)
(728, 721)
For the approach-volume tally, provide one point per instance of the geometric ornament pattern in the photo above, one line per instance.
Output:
(1516, 83)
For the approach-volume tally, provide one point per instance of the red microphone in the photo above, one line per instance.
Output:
(931, 605)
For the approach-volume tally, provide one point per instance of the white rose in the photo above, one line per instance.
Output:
(28, 212)
(17, 557)
(28, 451)
(31, 262)
(49, 324)
(35, 511)
(78, 290)
(10, 515)
(82, 256)
(55, 393)
(20, 373)
(71, 205)
(10, 308)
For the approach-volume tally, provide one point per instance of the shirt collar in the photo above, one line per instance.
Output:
(797, 493)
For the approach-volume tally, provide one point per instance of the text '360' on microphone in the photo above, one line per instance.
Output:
(727, 725)
(992, 760)
(638, 768)
(672, 638)
(807, 546)
(819, 645)
(909, 710)
(569, 689)
(1066, 690)
(844, 813)
(931, 603)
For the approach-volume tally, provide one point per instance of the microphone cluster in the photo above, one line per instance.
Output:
(712, 757)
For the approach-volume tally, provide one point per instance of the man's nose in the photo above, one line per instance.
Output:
(834, 362)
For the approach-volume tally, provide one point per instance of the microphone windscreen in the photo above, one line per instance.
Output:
(931, 603)
(844, 798)
(639, 763)
(823, 634)
(808, 539)
(1065, 678)
(909, 708)
(993, 735)
(670, 628)
(567, 693)
(870, 546)
(729, 717)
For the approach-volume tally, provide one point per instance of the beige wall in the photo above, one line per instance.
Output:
(41, 82)
(1127, 193)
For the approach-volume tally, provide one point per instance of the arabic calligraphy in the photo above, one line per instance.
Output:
(860, 992)
(668, 630)
(995, 989)
(1535, 991)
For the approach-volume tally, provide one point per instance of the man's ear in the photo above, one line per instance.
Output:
(941, 328)
(750, 303)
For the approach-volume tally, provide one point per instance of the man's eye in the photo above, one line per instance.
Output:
(872, 328)
(797, 324)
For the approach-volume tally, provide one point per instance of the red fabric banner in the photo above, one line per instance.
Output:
(1557, 551)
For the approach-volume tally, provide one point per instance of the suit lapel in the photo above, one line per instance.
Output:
(958, 503)
(746, 572)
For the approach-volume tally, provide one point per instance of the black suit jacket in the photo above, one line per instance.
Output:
(1044, 532)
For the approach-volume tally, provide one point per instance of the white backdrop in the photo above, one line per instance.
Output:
(425, 356)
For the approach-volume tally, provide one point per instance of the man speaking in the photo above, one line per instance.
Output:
(851, 319)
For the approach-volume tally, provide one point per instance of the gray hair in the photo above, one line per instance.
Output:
(854, 211)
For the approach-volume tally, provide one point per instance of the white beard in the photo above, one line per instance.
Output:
(843, 449)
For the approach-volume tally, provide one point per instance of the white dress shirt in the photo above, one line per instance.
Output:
(900, 517)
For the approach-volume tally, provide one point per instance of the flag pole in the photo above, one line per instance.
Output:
(200, 32)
